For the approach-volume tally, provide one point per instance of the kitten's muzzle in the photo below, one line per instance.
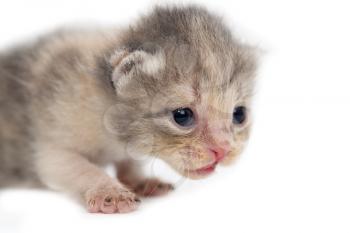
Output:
(219, 153)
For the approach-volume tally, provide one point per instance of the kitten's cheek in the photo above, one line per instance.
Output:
(230, 158)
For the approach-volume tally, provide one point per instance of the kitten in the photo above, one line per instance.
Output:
(176, 85)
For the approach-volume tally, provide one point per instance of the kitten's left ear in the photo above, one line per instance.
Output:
(126, 63)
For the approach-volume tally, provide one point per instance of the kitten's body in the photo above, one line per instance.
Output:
(50, 92)
(58, 98)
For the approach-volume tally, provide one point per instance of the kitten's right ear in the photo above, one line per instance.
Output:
(121, 67)
(126, 63)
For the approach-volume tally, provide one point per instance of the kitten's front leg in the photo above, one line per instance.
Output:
(129, 172)
(70, 172)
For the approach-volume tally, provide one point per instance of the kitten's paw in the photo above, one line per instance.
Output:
(152, 187)
(110, 200)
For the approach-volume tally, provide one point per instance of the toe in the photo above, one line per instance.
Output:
(109, 205)
(94, 205)
(126, 206)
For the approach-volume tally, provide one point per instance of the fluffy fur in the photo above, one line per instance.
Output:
(75, 101)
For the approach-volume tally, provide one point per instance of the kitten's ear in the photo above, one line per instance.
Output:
(126, 64)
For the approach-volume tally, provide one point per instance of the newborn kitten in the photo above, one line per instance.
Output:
(176, 85)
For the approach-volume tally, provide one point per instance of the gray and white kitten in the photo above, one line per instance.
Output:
(176, 85)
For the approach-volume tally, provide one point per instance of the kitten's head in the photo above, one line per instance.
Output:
(183, 87)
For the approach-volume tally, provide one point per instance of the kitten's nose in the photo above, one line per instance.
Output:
(219, 152)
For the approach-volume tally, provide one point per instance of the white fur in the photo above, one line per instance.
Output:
(152, 64)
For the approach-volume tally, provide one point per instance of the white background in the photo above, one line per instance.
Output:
(294, 175)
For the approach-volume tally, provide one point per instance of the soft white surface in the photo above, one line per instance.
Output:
(294, 175)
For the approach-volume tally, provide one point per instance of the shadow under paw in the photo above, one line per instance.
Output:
(152, 187)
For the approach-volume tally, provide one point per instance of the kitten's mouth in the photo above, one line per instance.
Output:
(206, 170)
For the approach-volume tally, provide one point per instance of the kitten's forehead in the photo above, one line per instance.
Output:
(221, 77)
(222, 66)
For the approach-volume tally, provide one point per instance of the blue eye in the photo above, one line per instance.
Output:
(239, 115)
(183, 116)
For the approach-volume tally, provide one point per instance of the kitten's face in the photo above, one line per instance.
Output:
(194, 118)
(200, 128)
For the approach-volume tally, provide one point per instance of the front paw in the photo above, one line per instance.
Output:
(152, 187)
(111, 199)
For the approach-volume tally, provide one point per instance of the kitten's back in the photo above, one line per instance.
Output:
(15, 123)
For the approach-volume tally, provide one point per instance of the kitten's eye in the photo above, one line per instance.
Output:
(239, 115)
(183, 116)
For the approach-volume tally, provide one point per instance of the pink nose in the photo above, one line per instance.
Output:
(219, 152)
